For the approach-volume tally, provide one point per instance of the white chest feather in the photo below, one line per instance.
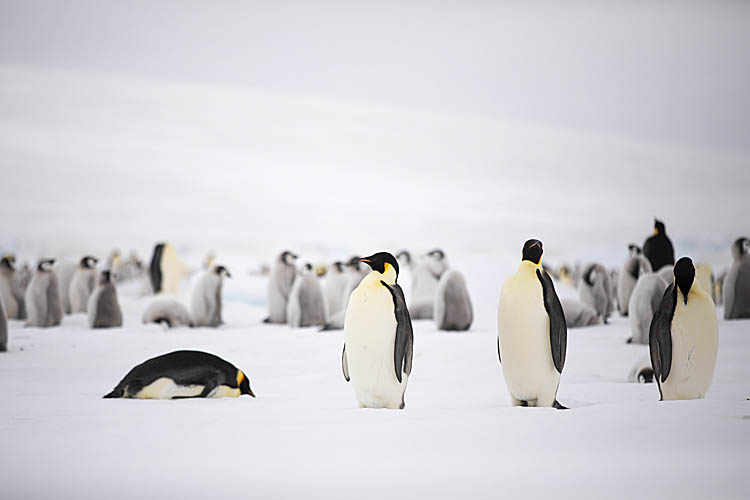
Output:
(166, 388)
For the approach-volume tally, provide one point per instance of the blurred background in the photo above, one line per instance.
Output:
(336, 127)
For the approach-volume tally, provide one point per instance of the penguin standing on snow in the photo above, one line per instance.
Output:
(43, 306)
(166, 269)
(12, 289)
(205, 303)
(643, 303)
(378, 337)
(532, 335)
(736, 286)
(658, 247)
(594, 290)
(635, 266)
(355, 273)
(306, 305)
(82, 284)
(104, 309)
(183, 374)
(453, 311)
(279, 285)
(168, 312)
(684, 337)
(425, 279)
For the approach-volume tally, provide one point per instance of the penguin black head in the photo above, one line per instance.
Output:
(307, 267)
(381, 262)
(88, 262)
(287, 257)
(740, 247)
(45, 265)
(244, 384)
(532, 251)
(634, 249)
(8, 262)
(684, 273)
(222, 271)
(106, 276)
(436, 254)
(658, 227)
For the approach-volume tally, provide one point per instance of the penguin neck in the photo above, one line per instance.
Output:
(389, 277)
(529, 267)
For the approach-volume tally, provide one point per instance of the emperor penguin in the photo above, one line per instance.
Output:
(43, 306)
(205, 303)
(736, 286)
(183, 374)
(279, 285)
(658, 247)
(406, 264)
(168, 312)
(24, 278)
(578, 314)
(532, 335)
(103, 307)
(453, 311)
(425, 279)
(12, 289)
(378, 337)
(684, 337)
(306, 305)
(635, 266)
(335, 283)
(82, 284)
(3, 327)
(643, 303)
(166, 269)
(594, 290)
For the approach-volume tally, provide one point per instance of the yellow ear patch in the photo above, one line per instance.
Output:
(386, 267)
(240, 377)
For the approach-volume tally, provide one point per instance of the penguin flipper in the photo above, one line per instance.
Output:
(660, 335)
(345, 364)
(404, 345)
(558, 330)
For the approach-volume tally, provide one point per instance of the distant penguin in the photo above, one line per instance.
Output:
(594, 290)
(453, 311)
(658, 247)
(166, 269)
(532, 334)
(634, 267)
(642, 372)
(736, 286)
(65, 269)
(643, 303)
(684, 337)
(279, 285)
(206, 300)
(378, 337)
(425, 279)
(406, 265)
(12, 290)
(82, 284)
(168, 312)
(3, 328)
(103, 307)
(578, 314)
(306, 305)
(565, 275)
(355, 273)
(183, 374)
(43, 306)
(335, 284)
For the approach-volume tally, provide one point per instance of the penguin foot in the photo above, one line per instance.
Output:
(557, 406)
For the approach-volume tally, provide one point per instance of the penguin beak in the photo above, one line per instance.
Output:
(365, 260)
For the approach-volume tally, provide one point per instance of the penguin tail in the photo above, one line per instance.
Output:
(117, 392)
(557, 406)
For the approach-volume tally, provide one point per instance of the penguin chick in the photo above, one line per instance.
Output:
(103, 307)
(206, 302)
(82, 284)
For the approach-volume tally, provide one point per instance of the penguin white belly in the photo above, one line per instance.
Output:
(695, 343)
(526, 355)
(370, 336)
(166, 388)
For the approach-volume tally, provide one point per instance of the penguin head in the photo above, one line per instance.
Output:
(105, 277)
(45, 265)
(740, 247)
(684, 274)
(222, 272)
(88, 262)
(658, 227)
(338, 266)
(8, 262)
(634, 249)
(532, 251)
(307, 269)
(436, 254)
(385, 264)
(287, 258)
(244, 384)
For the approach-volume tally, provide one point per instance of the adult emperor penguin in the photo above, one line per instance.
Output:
(736, 286)
(453, 311)
(643, 303)
(43, 306)
(306, 305)
(594, 290)
(205, 302)
(166, 269)
(168, 312)
(532, 335)
(11, 289)
(684, 337)
(279, 285)
(82, 284)
(378, 337)
(658, 247)
(635, 266)
(103, 308)
(425, 279)
(183, 374)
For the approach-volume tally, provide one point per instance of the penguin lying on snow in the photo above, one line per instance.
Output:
(82, 284)
(11, 289)
(43, 306)
(684, 337)
(306, 306)
(453, 311)
(206, 302)
(183, 374)
(104, 309)
(279, 285)
(168, 312)
(578, 314)
(736, 286)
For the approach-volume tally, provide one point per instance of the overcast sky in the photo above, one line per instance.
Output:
(675, 72)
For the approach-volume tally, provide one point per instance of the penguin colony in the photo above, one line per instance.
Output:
(670, 307)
